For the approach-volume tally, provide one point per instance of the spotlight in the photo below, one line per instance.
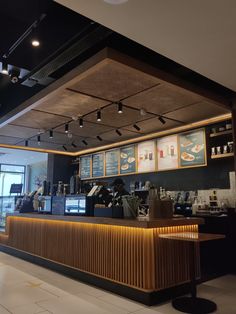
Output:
(39, 139)
(120, 106)
(73, 145)
(35, 43)
(118, 132)
(4, 67)
(161, 119)
(64, 148)
(99, 138)
(26, 143)
(66, 128)
(85, 143)
(81, 122)
(51, 134)
(99, 116)
(136, 127)
(15, 73)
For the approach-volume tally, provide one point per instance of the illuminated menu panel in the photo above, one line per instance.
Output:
(85, 167)
(127, 159)
(167, 152)
(98, 165)
(146, 156)
(112, 162)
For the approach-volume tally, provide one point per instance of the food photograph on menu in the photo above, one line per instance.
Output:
(146, 156)
(192, 148)
(127, 159)
(167, 152)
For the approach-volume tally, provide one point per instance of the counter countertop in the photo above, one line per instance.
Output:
(141, 222)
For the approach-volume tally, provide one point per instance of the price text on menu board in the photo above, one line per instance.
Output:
(85, 167)
(98, 165)
(192, 148)
(112, 162)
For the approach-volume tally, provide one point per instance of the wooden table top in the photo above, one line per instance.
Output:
(140, 222)
(192, 236)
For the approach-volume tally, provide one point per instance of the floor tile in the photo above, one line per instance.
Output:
(123, 303)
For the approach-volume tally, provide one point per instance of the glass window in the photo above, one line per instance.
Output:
(12, 168)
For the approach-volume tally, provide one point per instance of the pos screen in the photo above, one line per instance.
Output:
(75, 205)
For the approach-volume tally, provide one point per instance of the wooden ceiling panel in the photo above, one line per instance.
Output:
(113, 137)
(111, 117)
(114, 81)
(69, 103)
(9, 140)
(39, 120)
(196, 112)
(17, 131)
(162, 99)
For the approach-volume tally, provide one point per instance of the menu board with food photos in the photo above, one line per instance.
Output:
(146, 156)
(167, 152)
(112, 162)
(98, 165)
(85, 167)
(127, 159)
(192, 148)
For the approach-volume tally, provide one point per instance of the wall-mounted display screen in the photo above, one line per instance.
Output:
(146, 156)
(192, 148)
(167, 152)
(75, 205)
(127, 159)
(112, 162)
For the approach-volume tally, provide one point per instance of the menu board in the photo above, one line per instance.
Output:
(192, 148)
(167, 152)
(98, 165)
(112, 162)
(146, 156)
(85, 167)
(127, 159)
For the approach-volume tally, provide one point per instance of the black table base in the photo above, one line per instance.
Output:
(194, 305)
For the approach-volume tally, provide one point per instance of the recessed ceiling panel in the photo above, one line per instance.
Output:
(196, 112)
(114, 81)
(69, 103)
(17, 131)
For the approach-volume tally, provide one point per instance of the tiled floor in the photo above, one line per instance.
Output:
(26, 289)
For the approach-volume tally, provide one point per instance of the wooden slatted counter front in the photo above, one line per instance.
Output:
(122, 253)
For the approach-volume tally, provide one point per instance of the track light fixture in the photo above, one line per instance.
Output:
(4, 67)
(84, 142)
(99, 116)
(161, 119)
(120, 107)
(136, 127)
(64, 148)
(51, 134)
(26, 143)
(39, 139)
(66, 128)
(81, 122)
(99, 138)
(118, 132)
(73, 145)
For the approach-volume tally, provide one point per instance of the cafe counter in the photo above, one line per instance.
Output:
(126, 256)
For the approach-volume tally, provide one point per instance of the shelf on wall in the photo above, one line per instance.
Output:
(221, 133)
(222, 155)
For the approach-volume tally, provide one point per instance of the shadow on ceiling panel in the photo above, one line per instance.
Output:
(110, 116)
(163, 98)
(17, 131)
(9, 140)
(113, 81)
(70, 104)
(196, 112)
(39, 120)
(154, 125)
(89, 129)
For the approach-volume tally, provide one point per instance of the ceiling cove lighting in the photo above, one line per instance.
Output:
(5, 68)
(26, 143)
(73, 145)
(120, 107)
(66, 128)
(51, 134)
(136, 127)
(84, 142)
(81, 122)
(65, 149)
(161, 119)
(99, 116)
(39, 139)
(99, 138)
(118, 132)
